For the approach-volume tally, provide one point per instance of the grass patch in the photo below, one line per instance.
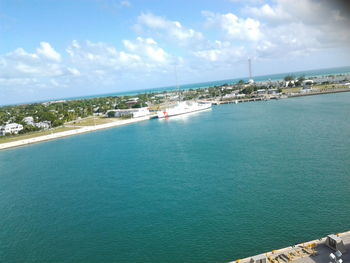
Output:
(13, 138)
(291, 90)
(93, 121)
(320, 88)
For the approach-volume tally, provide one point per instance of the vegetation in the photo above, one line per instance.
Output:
(12, 138)
(79, 112)
(289, 78)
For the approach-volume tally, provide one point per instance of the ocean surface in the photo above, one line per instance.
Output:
(210, 187)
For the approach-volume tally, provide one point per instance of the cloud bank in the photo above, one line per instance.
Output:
(264, 31)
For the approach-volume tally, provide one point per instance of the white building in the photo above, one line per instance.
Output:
(141, 112)
(261, 91)
(43, 125)
(307, 86)
(134, 113)
(272, 91)
(28, 120)
(229, 96)
(12, 128)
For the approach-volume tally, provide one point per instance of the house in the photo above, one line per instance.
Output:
(272, 91)
(12, 128)
(132, 101)
(261, 91)
(45, 125)
(307, 86)
(290, 83)
(229, 96)
(28, 120)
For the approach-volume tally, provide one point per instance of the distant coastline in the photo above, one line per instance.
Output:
(86, 129)
(33, 123)
(259, 78)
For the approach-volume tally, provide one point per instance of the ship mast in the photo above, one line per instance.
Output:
(250, 68)
(176, 82)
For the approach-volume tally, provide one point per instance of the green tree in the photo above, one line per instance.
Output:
(289, 78)
(111, 114)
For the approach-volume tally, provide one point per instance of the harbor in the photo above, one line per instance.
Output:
(217, 186)
(332, 248)
(144, 114)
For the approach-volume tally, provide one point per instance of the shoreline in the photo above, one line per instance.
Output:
(63, 134)
(81, 130)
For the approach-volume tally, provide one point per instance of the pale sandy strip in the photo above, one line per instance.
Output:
(70, 133)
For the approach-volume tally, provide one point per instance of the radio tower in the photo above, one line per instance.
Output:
(250, 71)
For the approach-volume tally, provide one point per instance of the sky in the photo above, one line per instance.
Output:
(53, 49)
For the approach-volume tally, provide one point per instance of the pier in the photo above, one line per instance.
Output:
(236, 101)
(329, 249)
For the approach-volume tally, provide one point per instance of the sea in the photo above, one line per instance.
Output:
(214, 186)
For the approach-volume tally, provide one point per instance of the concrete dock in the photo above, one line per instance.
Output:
(315, 251)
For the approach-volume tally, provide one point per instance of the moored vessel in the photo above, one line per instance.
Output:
(183, 107)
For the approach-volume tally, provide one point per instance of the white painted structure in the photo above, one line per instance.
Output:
(141, 112)
(135, 113)
(43, 125)
(12, 128)
(28, 120)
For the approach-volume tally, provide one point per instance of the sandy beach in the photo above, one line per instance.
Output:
(71, 132)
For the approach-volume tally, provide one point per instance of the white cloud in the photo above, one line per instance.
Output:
(20, 63)
(280, 29)
(316, 20)
(125, 4)
(269, 14)
(234, 27)
(46, 51)
(170, 30)
(147, 48)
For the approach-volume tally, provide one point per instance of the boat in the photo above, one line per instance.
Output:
(183, 107)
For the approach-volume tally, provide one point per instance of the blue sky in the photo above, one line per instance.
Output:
(63, 48)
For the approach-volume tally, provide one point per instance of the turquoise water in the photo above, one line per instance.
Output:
(216, 186)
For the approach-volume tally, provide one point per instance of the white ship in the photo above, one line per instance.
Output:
(183, 108)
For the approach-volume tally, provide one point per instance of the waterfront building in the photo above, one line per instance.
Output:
(307, 86)
(261, 91)
(134, 113)
(229, 96)
(141, 112)
(272, 91)
(12, 128)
